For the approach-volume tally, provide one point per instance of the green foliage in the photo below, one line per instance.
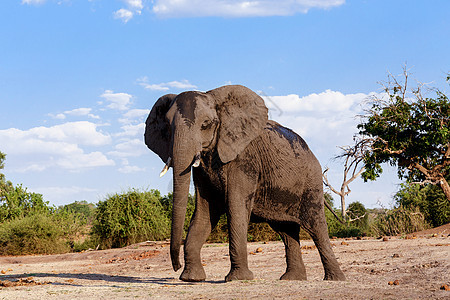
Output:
(131, 217)
(358, 213)
(407, 130)
(430, 200)
(258, 232)
(2, 165)
(81, 208)
(167, 204)
(33, 234)
(17, 202)
(358, 227)
(220, 233)
(399, 221)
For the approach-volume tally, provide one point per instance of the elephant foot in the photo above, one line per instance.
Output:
(334, 276)
(193, 274)
(293, 275)
(239, 274)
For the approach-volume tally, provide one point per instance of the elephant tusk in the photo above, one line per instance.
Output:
(197, 161)
(166, 167)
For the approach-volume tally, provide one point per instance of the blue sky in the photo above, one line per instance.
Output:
(78, 77)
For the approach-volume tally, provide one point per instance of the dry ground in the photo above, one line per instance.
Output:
(419, 266)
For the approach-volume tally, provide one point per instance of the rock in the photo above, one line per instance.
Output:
(259, 250)
(395, 255)
(385, 239)
(6, 283)
(344, 243)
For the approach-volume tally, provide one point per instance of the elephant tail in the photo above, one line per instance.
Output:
(332, 211)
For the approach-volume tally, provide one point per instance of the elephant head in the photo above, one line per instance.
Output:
(180, 128)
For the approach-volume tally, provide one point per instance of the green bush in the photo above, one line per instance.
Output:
(33, 234)
(430, 200)
(356, 225)
(83, 209)
(219, 234)
(399, 221)
(256, 232)
(131, 217)
(167, 204)
(17, 202)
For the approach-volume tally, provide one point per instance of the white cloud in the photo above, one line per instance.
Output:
(40, 148)
(328, 101)
(134, 115)
(130, 148)
(325, 120)
(34, 2)
(126, 14)
(79, 112)
(127, 169)
(120, 101)
(132, 130)
(238, 8)
(136, 4)
(183, 84)
(82, 111)
(123, 14)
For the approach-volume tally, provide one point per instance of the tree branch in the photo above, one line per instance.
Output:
(327, 184)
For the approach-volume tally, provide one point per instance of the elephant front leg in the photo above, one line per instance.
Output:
(205, 218)
(198, 233)
(238, 215)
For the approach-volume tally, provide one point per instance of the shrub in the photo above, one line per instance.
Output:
(167, 204)
(83, 209)
(219, 234)
(17, 202)
(33, 234)
(131, 217)
(358, 214)
(256, 232)
(430, 200)
(399, 221)
(356, 224)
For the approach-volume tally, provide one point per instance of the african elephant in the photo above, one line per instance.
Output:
(243, 165)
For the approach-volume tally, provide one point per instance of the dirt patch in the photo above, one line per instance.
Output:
(393, 269)
(21, 282)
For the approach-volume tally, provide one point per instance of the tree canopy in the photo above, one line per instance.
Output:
(2, 165)
(409, 130)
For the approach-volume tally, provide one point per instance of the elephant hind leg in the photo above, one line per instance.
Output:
(289, 232)
(315, 224)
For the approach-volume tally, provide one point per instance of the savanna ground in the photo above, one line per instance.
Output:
(408, 267)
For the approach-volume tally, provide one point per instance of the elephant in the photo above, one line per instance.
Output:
(243, 165)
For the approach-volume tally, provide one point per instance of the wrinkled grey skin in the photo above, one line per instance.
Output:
(250, 168)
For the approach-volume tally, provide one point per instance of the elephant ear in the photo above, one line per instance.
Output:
(157, 132)
(243, 116)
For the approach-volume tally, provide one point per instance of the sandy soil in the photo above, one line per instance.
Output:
(397, 268)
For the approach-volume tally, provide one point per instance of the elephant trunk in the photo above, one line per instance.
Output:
(183, 157)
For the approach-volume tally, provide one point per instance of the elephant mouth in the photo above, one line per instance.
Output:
(195, 164)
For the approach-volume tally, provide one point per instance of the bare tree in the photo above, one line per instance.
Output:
(353, 167)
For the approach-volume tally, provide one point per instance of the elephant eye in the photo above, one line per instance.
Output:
(206, 124)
